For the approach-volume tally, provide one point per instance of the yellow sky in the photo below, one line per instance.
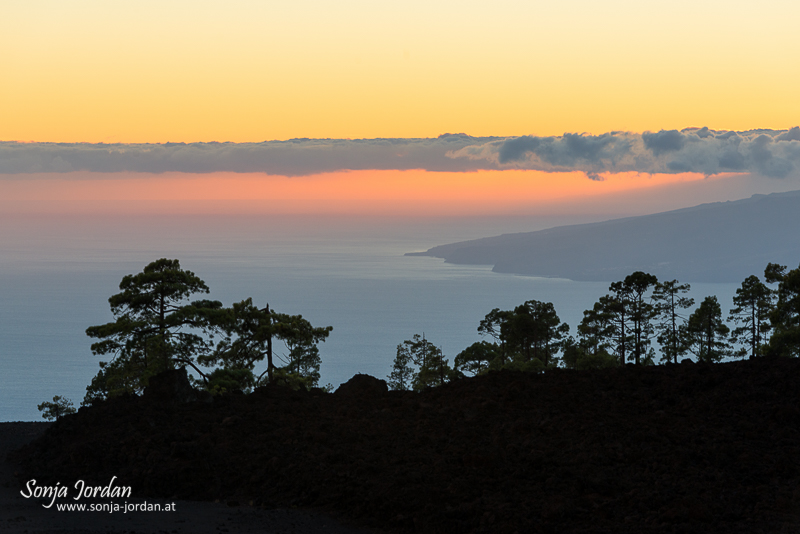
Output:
(147, 71)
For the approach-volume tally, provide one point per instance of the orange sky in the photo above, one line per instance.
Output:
(354, 192)
(248, 71)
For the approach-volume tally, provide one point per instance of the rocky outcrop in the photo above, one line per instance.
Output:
(171, 387)
(363, 385)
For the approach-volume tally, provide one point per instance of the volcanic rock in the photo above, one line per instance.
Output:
(633, 450)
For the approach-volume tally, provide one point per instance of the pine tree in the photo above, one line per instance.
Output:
(641, 313)
(402, 374)
(154, 329)
(669, 301)
(707, 333)
(497, 325)
(55, 410)
(754, 303)
(785, 317)
(249, 334)
(617, 306)
(536, 331)
(596, 330)
(420, 364)
(477, 358)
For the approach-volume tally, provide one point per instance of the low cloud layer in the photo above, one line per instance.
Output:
(296, 157)
(772, 153)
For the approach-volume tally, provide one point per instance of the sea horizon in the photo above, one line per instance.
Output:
(342, 272)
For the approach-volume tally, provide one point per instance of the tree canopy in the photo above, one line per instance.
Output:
(419, 364)
(785, 315)
(670, 300)
(249, 332)
(56, 409)
(753, 302)
(159, 324)
(707, 333)
(157, 328)
(529, 337)
(622, 325)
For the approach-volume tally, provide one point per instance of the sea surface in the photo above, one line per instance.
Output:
(57, 273)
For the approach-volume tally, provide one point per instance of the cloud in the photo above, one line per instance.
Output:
(515, 149)
(667, 141)
(770, 153)
(791, 135)
(295, 157)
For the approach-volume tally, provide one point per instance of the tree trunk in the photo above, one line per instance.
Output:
(162, 328)
(754, 340)
(270, 365)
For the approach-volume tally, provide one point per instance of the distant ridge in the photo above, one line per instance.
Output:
(717, 242)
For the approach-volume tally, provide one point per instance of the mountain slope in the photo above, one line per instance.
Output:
(718, 242)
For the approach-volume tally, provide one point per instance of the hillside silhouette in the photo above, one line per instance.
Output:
(674, 448)
(717, 242)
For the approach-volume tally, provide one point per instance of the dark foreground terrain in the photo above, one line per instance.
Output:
(19, 515)
(682, 448)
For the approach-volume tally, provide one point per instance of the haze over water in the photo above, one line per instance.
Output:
(56, 274)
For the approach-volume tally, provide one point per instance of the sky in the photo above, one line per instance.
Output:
(405, 107)
(428, 121)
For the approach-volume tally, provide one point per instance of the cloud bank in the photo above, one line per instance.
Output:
(771, 153)
(296, 157)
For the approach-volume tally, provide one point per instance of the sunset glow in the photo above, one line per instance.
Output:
(108, 92)
(355, 192)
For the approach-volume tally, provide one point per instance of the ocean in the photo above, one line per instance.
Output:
(57, 273)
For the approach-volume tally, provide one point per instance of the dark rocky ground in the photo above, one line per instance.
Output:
(28, 516)
(685, 448)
